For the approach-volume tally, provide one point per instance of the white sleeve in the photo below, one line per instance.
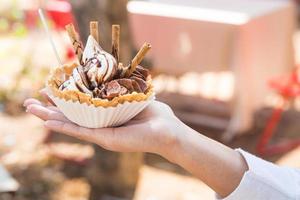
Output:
(266, 181)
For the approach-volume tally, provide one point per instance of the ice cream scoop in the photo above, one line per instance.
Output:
(99, 65)
(80, 80)
(77, 81)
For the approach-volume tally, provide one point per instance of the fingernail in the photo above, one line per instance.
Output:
(28, 109)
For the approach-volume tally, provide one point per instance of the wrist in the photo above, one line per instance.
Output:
(176, 133)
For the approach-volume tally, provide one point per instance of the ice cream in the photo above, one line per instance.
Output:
(99, 74)
(99, 65)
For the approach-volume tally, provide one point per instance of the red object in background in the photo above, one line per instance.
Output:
(289, 89)
(60, 14)
(70, 54)
(60, 11)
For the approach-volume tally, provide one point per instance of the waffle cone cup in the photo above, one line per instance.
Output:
(90, 112)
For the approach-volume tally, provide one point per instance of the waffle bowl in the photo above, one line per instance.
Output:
(92, 106)
(90, 112)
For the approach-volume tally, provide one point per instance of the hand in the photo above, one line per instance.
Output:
(150, 131)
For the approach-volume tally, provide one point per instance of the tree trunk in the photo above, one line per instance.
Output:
(112, 173)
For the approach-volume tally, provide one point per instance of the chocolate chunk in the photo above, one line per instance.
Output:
(113, 89)
(136, 86)
(123, 90)
(127, 83)
(142, 84)
(138, 75)
(143, 71)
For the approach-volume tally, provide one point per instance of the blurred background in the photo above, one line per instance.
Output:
(228, 68)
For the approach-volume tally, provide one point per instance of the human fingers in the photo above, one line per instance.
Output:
(30, 101)
(46, 113)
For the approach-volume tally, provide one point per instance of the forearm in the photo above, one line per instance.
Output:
(218, 166)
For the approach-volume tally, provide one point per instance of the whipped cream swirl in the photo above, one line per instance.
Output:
(99, 65)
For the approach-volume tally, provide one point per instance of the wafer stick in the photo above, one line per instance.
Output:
(138, 58)
(77, 44)
(116, 41)
(94, 30)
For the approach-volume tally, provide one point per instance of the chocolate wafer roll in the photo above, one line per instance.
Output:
(116, 41)
(77, 44)
(94, 30)
(138, 59)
